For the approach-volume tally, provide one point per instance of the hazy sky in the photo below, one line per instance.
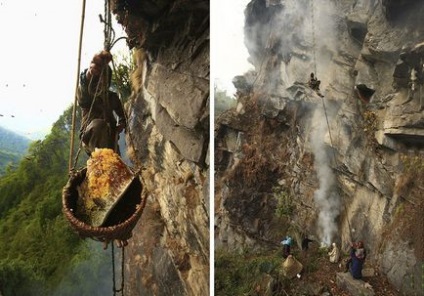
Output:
(229, 54)
(39, 56)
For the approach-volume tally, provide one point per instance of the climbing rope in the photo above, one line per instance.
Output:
(108, 31)
(313, 37)
(74, 110)
(109, 35)
(121, 289)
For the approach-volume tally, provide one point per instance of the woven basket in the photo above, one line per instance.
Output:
(122, 219)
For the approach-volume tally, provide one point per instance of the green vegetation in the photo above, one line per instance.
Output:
(121, 81)
(285, 205)
(241, 274)
(261, 273)
(12, 148)
(9, 141)
(37, 245)
(39, 253)
(8, 160)
(223, 101)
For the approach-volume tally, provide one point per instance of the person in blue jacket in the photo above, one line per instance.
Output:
(287, 242)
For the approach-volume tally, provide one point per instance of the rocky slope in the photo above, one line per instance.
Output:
(346, 166)
(169, 136)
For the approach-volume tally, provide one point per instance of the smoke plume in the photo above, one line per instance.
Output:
(287, 40)
(302, 33)
(325, 197)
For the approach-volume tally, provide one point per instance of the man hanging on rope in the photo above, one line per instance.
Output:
(314, 83)
(99, 127)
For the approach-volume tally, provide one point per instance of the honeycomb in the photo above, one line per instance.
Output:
(106, 179)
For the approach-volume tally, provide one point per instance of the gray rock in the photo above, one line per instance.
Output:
(357, 25)
(346, 282)
(191, 144)
(183, 95)
(402, 267)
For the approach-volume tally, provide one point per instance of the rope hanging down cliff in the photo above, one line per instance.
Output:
(74, 107)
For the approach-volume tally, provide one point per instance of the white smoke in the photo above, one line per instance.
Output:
(304, 35)
(309, 40)
(325, 197)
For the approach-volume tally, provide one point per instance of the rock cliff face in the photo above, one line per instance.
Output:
(345, 166)
(169, 124)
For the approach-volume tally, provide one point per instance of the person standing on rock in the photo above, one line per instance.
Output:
(103, 117)
(334, 254)
(305, 243)
(357, 259)
(286, 246)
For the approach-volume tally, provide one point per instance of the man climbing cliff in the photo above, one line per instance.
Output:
(99, 127)
(314, 84)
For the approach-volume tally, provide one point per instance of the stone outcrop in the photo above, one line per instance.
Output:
(355, 287)
(342, 157)
(168, 116)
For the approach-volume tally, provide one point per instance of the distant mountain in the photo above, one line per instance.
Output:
(12, 148)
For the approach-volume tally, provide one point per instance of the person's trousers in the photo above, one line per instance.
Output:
(98, 134)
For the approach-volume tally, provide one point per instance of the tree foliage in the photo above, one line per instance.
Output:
(39, 253)
(12, 148)
(121, 75)
(223, 101)
(37, 246)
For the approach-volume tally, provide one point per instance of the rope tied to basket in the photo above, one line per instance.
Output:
(125, 214)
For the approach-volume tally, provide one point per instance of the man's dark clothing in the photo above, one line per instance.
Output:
(305, 243)
(98, 125)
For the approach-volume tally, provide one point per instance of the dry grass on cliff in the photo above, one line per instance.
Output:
(263, 152)
(409, 216)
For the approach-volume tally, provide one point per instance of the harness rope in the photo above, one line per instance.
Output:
(109, 35)
(108, 32)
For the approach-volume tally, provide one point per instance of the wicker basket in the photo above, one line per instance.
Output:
(122, 219)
